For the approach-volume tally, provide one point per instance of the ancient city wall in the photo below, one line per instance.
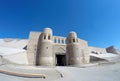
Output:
(59, 47)
(85, 50)
(32, 47)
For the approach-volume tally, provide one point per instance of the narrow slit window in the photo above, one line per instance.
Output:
(58, 40)
(44, 36)
(62, 41)
(55, 40)
(49, 37)
(73, 40)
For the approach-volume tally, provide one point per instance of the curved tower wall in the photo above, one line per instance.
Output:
(75, 53)
(45, 48)
(73, 49)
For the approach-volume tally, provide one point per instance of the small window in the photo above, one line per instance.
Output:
(48, 37)
(55, 40)
(62, 41)
(44, 36)
(58, 40)
(73, 40)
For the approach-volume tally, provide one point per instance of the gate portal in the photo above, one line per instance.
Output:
(60, 60)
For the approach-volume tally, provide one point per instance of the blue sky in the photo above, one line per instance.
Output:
(97, 21)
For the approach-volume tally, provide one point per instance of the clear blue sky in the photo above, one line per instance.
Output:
(97, 21)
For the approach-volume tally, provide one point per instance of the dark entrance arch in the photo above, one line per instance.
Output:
(60, 60)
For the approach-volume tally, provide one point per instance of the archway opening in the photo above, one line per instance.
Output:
(60, 60)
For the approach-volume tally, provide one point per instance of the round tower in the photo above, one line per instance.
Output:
(45, 53)
(73, 49)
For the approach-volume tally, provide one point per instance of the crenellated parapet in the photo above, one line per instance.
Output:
(59, 40)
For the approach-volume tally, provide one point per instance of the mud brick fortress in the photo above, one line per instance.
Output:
(45, 49)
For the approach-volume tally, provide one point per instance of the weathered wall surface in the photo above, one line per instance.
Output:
(59, 49)
(32, 47)
(85, 50)
(96, 50)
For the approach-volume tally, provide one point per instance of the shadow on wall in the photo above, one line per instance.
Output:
(37, 51)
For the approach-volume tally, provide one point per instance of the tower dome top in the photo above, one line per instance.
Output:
(73, 34)
(47, 30)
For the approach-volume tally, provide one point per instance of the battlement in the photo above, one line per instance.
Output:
(59, 40)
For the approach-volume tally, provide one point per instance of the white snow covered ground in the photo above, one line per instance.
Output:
(109, 72)
(96, 73)
(14, 55)
(12, 50)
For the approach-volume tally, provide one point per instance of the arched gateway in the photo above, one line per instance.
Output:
(44, 49)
